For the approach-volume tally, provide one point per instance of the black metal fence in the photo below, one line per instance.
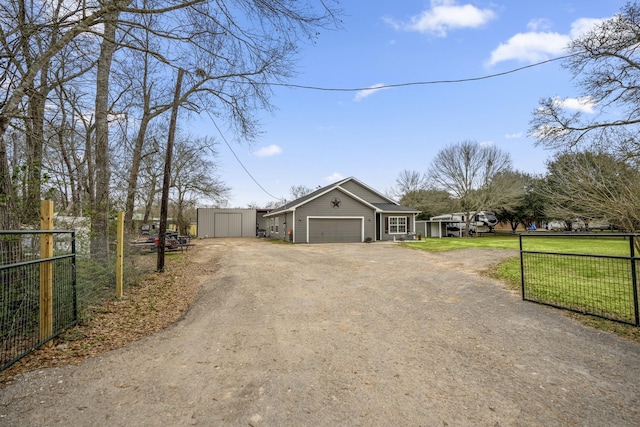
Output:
(599, 279)
(21, 276)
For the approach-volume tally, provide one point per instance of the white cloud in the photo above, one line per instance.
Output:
(530, 47)
(487, 144)
(444, 16)
(540, 24)
(584, 104)
(334, 177)
(368, 92)
(514, 135)
(540, 44)
(271, 150)
(583, 25)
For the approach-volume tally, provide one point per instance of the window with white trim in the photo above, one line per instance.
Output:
(277, 223)
(397, 225)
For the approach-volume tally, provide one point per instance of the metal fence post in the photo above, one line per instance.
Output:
(634, 278)
(521, 267)
(74, 268)
(120, 255)
(46, 272)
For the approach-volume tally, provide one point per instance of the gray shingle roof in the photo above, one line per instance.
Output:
(391, 207)
(385, 207)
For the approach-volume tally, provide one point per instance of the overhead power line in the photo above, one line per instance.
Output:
(238, 159)
(419, 83)
(384, 86)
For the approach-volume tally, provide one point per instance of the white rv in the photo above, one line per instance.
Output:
(481, 222)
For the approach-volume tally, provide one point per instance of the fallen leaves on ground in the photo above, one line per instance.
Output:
(158, 301)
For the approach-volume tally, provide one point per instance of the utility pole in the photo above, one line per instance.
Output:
(164, 203)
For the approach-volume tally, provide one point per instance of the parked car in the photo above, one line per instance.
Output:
(599, 225)
(558, 225)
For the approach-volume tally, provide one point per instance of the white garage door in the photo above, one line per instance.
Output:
(335, 230)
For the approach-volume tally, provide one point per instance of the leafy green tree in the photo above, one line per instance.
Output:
(527, 208)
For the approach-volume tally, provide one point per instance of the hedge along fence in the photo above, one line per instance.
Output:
(599, 284)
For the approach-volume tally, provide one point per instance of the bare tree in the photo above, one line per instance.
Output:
(407, 182)
(430, 202)
(606, 64)
(470, 173)
(194, 177)
(230, 52)
(28, 45)
(151, 179)
(298, 191)
(588, 185)
(29, 72)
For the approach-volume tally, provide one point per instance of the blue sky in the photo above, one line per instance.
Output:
(314, 138)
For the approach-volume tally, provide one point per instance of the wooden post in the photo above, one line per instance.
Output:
(46, 272)
(120, 255)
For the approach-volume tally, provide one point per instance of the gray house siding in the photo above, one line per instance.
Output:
(278, 226)
(363, 192)
(226, 222)
(323, 206)
(404, 231)
(347, 211)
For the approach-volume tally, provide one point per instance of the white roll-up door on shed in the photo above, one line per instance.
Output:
(213, 222)
(228, 225)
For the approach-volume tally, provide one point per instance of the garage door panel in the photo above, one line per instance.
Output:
(332, 230)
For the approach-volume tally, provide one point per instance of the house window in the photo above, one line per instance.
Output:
(397, 225)
(271, 225)
(277, 223)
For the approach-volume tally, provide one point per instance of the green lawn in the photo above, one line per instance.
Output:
(597, 285)
(453, 243)
(531, 242)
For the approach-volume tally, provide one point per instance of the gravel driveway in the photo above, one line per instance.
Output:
(349, 334)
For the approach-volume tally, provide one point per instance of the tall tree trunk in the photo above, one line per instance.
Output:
(73, 204)
(149, 205)
(100, 208)
(90, 180)
(35, 141)
(182, 228)
(8, 216)
(132, 184)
